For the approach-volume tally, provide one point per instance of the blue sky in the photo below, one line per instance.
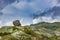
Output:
(25, 11)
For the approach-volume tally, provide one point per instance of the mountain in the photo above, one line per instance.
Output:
(41, 31)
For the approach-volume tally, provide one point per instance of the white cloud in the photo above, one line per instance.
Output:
(45, 19)
(0, 24)
(54, 2)
(20, 5)
(35, 5)
(7, 10)
(8, 23)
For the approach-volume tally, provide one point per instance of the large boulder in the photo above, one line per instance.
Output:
(16, 23)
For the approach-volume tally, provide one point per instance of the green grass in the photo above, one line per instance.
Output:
(45, 31)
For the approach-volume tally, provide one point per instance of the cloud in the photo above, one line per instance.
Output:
(54, 3)
(51, 15)
(26, 6)
(45, 19)
(1, 13)
(0, 23)
(21, 5)
(4, 3)
(8, 23)
(8, 10)
(28, 9)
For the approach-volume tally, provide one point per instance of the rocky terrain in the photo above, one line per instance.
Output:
(44, 31)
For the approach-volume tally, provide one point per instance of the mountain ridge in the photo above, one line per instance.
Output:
(36, 32)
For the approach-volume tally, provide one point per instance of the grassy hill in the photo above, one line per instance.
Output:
(44, 31)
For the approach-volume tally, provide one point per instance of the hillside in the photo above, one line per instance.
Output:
(44, 31)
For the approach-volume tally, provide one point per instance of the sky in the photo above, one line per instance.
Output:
(29, 11)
